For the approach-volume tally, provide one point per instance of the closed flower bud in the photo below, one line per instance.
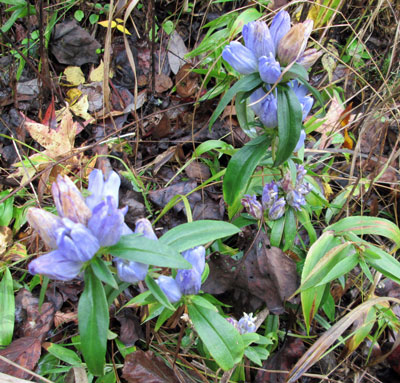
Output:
(306, 102)
(269, 69)
(252, 206)
(295, 199)
(100, 188)
(301, 172)
(277, 209)
(130, 271)
(170, 288)
(46, 224)
(197, 257)
(240, 58)
(309, 57)
(279, 27)
(233, 322)
(293, 44)
(265, 107)
(257, 38)
(189, 281)
(247, 324)
(143, 226)
(107, 222)
(69, 201)
(269, 194)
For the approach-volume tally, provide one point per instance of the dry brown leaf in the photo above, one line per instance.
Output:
(61, 318)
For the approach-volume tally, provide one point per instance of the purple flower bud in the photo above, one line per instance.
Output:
(269, 194)
(46, 224)
(301, 172)
(265, 107)
(76, 241)
(107, 222)
(277, 209)
(252, 206)
(269, 69)
(304, 188)
(240, 58)
(293, 44)
(130, 271)
(300, 142)
(170, 288)
(189, 281)
(247, 324)
(309, 57)
(55, 265)
(143, 226)
(295, 199)
(197, 257)
(279, 27)
(100, 188)
(69, 201)
(257, 38)
(233, 322)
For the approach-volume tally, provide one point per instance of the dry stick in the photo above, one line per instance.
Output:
(8, 361)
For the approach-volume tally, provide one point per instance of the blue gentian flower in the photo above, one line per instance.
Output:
(100, 188)
(247, 324)
(279, 27)
(252, 206)
(300, 142)
(295, 199)
(265, 107)
(186, 282)
(69, 201)
(269, 69)
(269, 194)
(301, 91)
(240, 58)
(131, 271)
(277, 209)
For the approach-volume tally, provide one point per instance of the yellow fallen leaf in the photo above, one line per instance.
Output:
(73, 96)
(97, 74)
(74, 75)
(118, 20)
(105, 23)
(80, 108)
(122, 29)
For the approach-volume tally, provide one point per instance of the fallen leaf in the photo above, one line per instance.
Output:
(76, 375)
(130, 327)
(176, 52)
(187, 82)
(97, 74)
(198, 171)
(74, 75)
(145, 367)
(25, 352)
(5, 238)
(16, 252)
(162, 83)
(61, 318)
(80, 109)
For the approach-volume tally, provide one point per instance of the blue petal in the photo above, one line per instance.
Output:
(240, 58)
(269, 69)
(256, 100)
(197, 257)
(55, 266)
(107, 222)
(279, 27)
(131, 272)
(269, 112)
(277, 210)
(78, 243)
(170, 288)
(306, 105)
(189, 281)
(100, 188)
(257, 38)
(300, 142)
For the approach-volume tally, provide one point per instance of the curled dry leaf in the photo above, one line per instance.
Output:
(187, 82)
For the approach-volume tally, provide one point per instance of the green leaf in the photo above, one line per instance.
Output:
(222, 340)
(6, 209)
(158, 293)
(244, 113)
(295, 71)
(7, 308)
(290, 229)
(192, 234)
(241, 167)
(64, 354)
(93, 320)
(277, 227)
(102, 272)
(79, 15)
(141, 249)
(311, 298)
(367, 225)
(290, 118)
(250, 14)
(383, 262)
(246, 83)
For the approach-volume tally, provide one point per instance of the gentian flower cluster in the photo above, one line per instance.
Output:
(266, 51)
(186, 282)
(274, 206)
(245, 324)
(81, 227)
